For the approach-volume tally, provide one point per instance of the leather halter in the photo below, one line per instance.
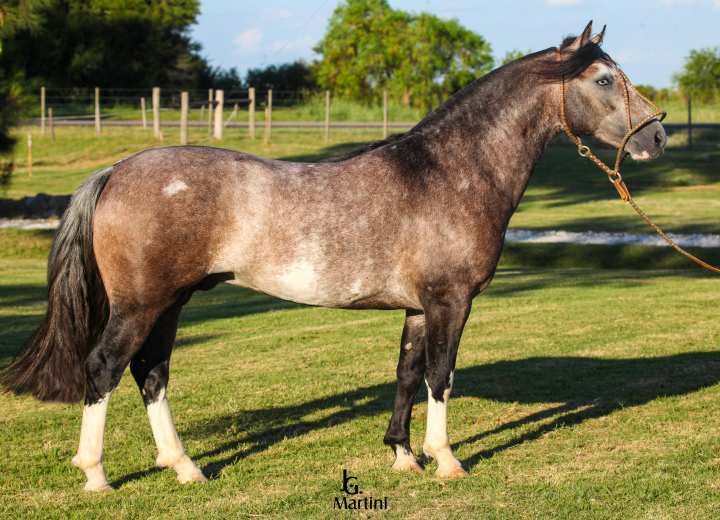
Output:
(614, 174)
(583, 150)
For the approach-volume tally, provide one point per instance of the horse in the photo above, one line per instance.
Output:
(416, 221)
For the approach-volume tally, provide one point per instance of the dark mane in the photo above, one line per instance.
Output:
(573, 63)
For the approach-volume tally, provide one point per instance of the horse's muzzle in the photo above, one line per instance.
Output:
(648, 142)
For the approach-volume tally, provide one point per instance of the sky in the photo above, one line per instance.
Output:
(650, 39)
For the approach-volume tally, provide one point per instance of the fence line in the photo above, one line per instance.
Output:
(275, 124)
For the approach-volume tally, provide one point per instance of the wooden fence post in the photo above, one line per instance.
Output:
(42, 110)
(327, 115)
(220, 100)
(30, 154)
(144, 113)
(251, 112)
(97, 111)
(268, 123)
(385, 118)
(689, 98)
(156, 111)
(210, 111)
(184, 106)
(202, 112)
(52, 127)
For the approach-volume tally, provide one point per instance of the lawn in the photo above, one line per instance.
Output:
(579, 393)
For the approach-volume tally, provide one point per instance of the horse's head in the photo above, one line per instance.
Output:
(600, 102)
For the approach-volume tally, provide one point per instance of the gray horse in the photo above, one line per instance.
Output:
(414, 222)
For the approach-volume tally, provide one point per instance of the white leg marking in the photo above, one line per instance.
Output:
(405, 460)
(171, 453)
(437, 442)
(89, 457)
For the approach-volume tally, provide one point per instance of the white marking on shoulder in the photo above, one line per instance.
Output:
(174, 187)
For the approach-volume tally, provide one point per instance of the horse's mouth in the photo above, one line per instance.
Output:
(647, 144)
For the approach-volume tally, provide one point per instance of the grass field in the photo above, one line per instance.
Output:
(579, 393)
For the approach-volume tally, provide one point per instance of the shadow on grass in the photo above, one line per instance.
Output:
(586, 388)
(325, 153)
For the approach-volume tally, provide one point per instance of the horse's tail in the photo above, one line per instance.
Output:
(51, 367)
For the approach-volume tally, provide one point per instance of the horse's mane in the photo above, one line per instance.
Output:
(573, 64)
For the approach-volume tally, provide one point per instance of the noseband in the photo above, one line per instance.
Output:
(614, 174)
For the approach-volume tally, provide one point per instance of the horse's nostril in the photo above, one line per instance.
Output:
(660, 138)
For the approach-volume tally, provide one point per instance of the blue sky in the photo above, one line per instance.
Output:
(649, 38)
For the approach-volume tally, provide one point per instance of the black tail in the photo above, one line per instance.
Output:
(51, 366)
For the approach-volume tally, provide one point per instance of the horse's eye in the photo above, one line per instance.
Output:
(603, 82)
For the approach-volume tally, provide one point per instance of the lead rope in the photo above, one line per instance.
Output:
(613, 174)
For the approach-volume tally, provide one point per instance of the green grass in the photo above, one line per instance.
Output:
(701, 113)
(578, 394)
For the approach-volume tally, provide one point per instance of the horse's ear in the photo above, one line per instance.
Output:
(581, 40)
(597, 39)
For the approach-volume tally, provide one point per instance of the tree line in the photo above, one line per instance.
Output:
(368, 47)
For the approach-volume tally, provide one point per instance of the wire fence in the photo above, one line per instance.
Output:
(253, 108)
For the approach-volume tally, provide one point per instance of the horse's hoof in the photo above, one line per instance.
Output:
(106, 487)
(195, 478)
(451, 473)
(413, 466)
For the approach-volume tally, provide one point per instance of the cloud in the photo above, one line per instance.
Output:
(248, 42)
(563, 3)
(274, 14)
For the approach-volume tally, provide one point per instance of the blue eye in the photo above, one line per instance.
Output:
(603, 82)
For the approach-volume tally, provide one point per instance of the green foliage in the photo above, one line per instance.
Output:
(648, 91)
(123, 43)
(513, 55)
(15, 15)
(296, 76)
(370, 47)
(700, 76)
(217, 77)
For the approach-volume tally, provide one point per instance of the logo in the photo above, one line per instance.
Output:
(351, 500)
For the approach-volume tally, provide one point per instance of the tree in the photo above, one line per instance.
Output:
(370, 47)
(108, 43)
(512, 55)
(15, 15)
(295, 76)
(701, 75)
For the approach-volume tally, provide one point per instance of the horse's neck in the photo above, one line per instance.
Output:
(503, 128)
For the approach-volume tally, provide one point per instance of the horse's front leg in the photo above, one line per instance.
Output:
(445, 317)
(410, 370)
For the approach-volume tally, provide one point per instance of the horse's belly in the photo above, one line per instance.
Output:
(302, 283)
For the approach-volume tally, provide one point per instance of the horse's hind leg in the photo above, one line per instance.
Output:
(410, 370)
(122, 338)
(151, 369)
